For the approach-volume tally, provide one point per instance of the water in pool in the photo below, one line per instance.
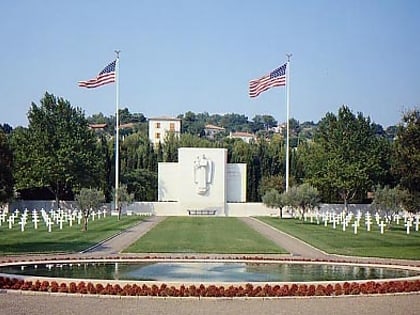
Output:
(209, 271)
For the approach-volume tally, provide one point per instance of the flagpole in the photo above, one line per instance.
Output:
(287, 118)
(117, 133)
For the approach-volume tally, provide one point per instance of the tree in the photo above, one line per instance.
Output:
(276, 182)
(273, 199)
(125, 199)
(6, 177)
(142, 183)
(343, 161)
(170, 147)
(406, 158)
(191, 124)
(302, 198)
(88, 199)
(263, 122)
(57, 150)
(6, 128)
(388, 201)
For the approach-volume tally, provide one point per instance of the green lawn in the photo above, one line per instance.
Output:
(69, 239)
(203, 235)
(394, 243)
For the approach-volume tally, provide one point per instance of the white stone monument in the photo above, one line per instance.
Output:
(202, 182)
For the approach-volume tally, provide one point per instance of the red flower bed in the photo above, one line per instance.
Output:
(249, 290)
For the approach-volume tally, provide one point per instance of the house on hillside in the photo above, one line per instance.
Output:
(159, 127)
(98, 127)
(210, 131)
(245, 136)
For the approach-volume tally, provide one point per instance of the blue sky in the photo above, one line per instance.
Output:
(185, 55)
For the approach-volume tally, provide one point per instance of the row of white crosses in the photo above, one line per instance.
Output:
(343, 219)
(53, 217)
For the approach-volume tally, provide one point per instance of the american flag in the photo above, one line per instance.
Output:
(107, 75)
(274, 78)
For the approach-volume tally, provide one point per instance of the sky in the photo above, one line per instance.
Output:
(184, 55)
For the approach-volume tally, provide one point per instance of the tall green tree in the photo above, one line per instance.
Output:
(406, 158)
(302, 198)
(88, 200)
(125, 198)
(6, 178)
(388, 201)
(267, 183)
(274, 199)
(343, 162)
(57, 151)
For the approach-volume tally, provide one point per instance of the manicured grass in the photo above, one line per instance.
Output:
(69, 239)
(394, 243)
(203, 235)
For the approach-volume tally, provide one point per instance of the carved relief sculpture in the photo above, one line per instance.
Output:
(203, 172)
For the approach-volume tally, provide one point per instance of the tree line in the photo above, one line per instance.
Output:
(345, 156)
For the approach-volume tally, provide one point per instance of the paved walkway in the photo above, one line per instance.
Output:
(23, 304)
(295, 247)
(116, 244)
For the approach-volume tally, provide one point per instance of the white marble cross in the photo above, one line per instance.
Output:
(408, 225)
(35, 220)
(49, 224)
(382, 225)
(70, 219)
(335, 221)
(22, 224)
(2, 217)
(355, 226)
(79, 217)
(344, 224)
(60, 221)
(11, 220)
(417, 222)
(325, 221)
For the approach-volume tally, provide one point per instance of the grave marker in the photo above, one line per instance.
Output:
(335, 219)
(79, 217)
(408, 225)
(382, 225)
(417, 222)
(11, 220)
(368, 223)
(35, 220)
(2, 217)
(22, 224)
(60, 221)
(355, 226)
(49, 224)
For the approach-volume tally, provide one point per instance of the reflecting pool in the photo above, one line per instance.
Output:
(209, 271)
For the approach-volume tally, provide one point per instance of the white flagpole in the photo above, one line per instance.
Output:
(117, 133)
(287, 118)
